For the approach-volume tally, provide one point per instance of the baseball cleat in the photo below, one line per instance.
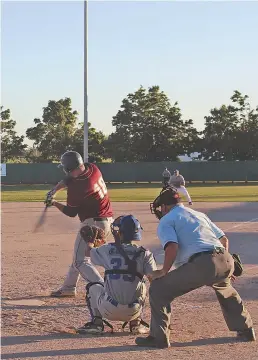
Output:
(139, 330)
(138, 327)
(63, 293)
(150, 341)
(190, 203)
(91, 329)
(247, 335)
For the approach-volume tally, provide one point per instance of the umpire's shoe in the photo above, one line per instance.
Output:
(150, 341)
(63, 293)
(247, 335)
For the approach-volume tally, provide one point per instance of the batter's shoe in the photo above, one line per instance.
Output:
(247, 335)
(138, 327)
(150, 341)
(63, 293)
(190, 203)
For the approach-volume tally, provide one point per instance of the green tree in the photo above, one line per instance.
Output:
(231, 132)
(58, 131)
(96, 140)
(149, 128)
(12, 145)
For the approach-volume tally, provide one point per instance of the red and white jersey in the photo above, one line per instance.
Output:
(88, 192)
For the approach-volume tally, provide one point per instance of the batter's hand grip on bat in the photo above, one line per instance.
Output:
(49, 200)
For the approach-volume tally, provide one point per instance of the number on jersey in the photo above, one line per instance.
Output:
(100, 188)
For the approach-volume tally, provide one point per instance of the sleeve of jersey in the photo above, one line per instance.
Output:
(217, 231)
(96, 256)
(166, 232)
(149, 263)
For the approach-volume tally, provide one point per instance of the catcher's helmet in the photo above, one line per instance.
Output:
(168, 196)
(127, 226)
(70, 161)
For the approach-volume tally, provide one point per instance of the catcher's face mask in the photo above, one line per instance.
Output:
(167, 196)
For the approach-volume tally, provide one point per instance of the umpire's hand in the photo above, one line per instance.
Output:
(156, 275)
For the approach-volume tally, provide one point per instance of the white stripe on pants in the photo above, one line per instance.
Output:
(82, 265)
(182, 190)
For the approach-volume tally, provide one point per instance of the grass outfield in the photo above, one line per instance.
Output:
(139, 192)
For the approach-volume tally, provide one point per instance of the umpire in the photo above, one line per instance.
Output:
(199, 251)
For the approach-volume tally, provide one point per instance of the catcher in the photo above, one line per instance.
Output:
(121, 295)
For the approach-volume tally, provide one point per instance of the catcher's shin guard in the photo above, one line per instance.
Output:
(87, 298)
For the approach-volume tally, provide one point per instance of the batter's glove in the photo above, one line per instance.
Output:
(49, 200)
(93, 236)
(238, 265)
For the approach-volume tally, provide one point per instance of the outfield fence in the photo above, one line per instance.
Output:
(138, 172)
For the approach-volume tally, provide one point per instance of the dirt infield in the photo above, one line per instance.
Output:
(35, 264)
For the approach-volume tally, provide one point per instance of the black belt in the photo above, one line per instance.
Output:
(100, 219)
(216, 251)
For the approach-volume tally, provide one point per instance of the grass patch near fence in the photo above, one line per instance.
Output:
(139, 192)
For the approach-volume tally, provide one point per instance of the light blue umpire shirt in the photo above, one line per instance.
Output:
(192, 230)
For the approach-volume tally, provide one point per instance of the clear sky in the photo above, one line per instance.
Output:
(198, 52)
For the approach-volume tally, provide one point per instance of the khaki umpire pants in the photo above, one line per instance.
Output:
(207, 269)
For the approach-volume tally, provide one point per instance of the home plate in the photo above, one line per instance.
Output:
(24, 302)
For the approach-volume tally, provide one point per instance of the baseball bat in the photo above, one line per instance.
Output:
(41, 220)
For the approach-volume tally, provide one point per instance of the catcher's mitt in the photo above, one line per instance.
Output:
(93, 235)
(238, 265)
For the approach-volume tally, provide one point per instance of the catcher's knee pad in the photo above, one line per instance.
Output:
(90, 284)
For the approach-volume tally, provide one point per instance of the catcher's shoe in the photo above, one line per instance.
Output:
(94, 327)
(150, 341)
(63, 293)
(91, 328)
(137, 327)
(247, 335)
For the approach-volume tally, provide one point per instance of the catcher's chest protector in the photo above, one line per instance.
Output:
(131, 263)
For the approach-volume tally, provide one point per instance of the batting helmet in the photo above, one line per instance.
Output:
(127, 228)
(70, 161)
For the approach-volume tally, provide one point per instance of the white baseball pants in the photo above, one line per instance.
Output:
(82, 265)
(182, 191)
(101, 304)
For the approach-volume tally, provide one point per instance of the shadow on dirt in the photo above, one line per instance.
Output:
(12, 340)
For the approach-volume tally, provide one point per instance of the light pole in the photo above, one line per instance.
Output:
(85, 37)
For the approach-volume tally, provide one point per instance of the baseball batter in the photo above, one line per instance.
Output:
(178, 182)
(87, 197)
(121, 295)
